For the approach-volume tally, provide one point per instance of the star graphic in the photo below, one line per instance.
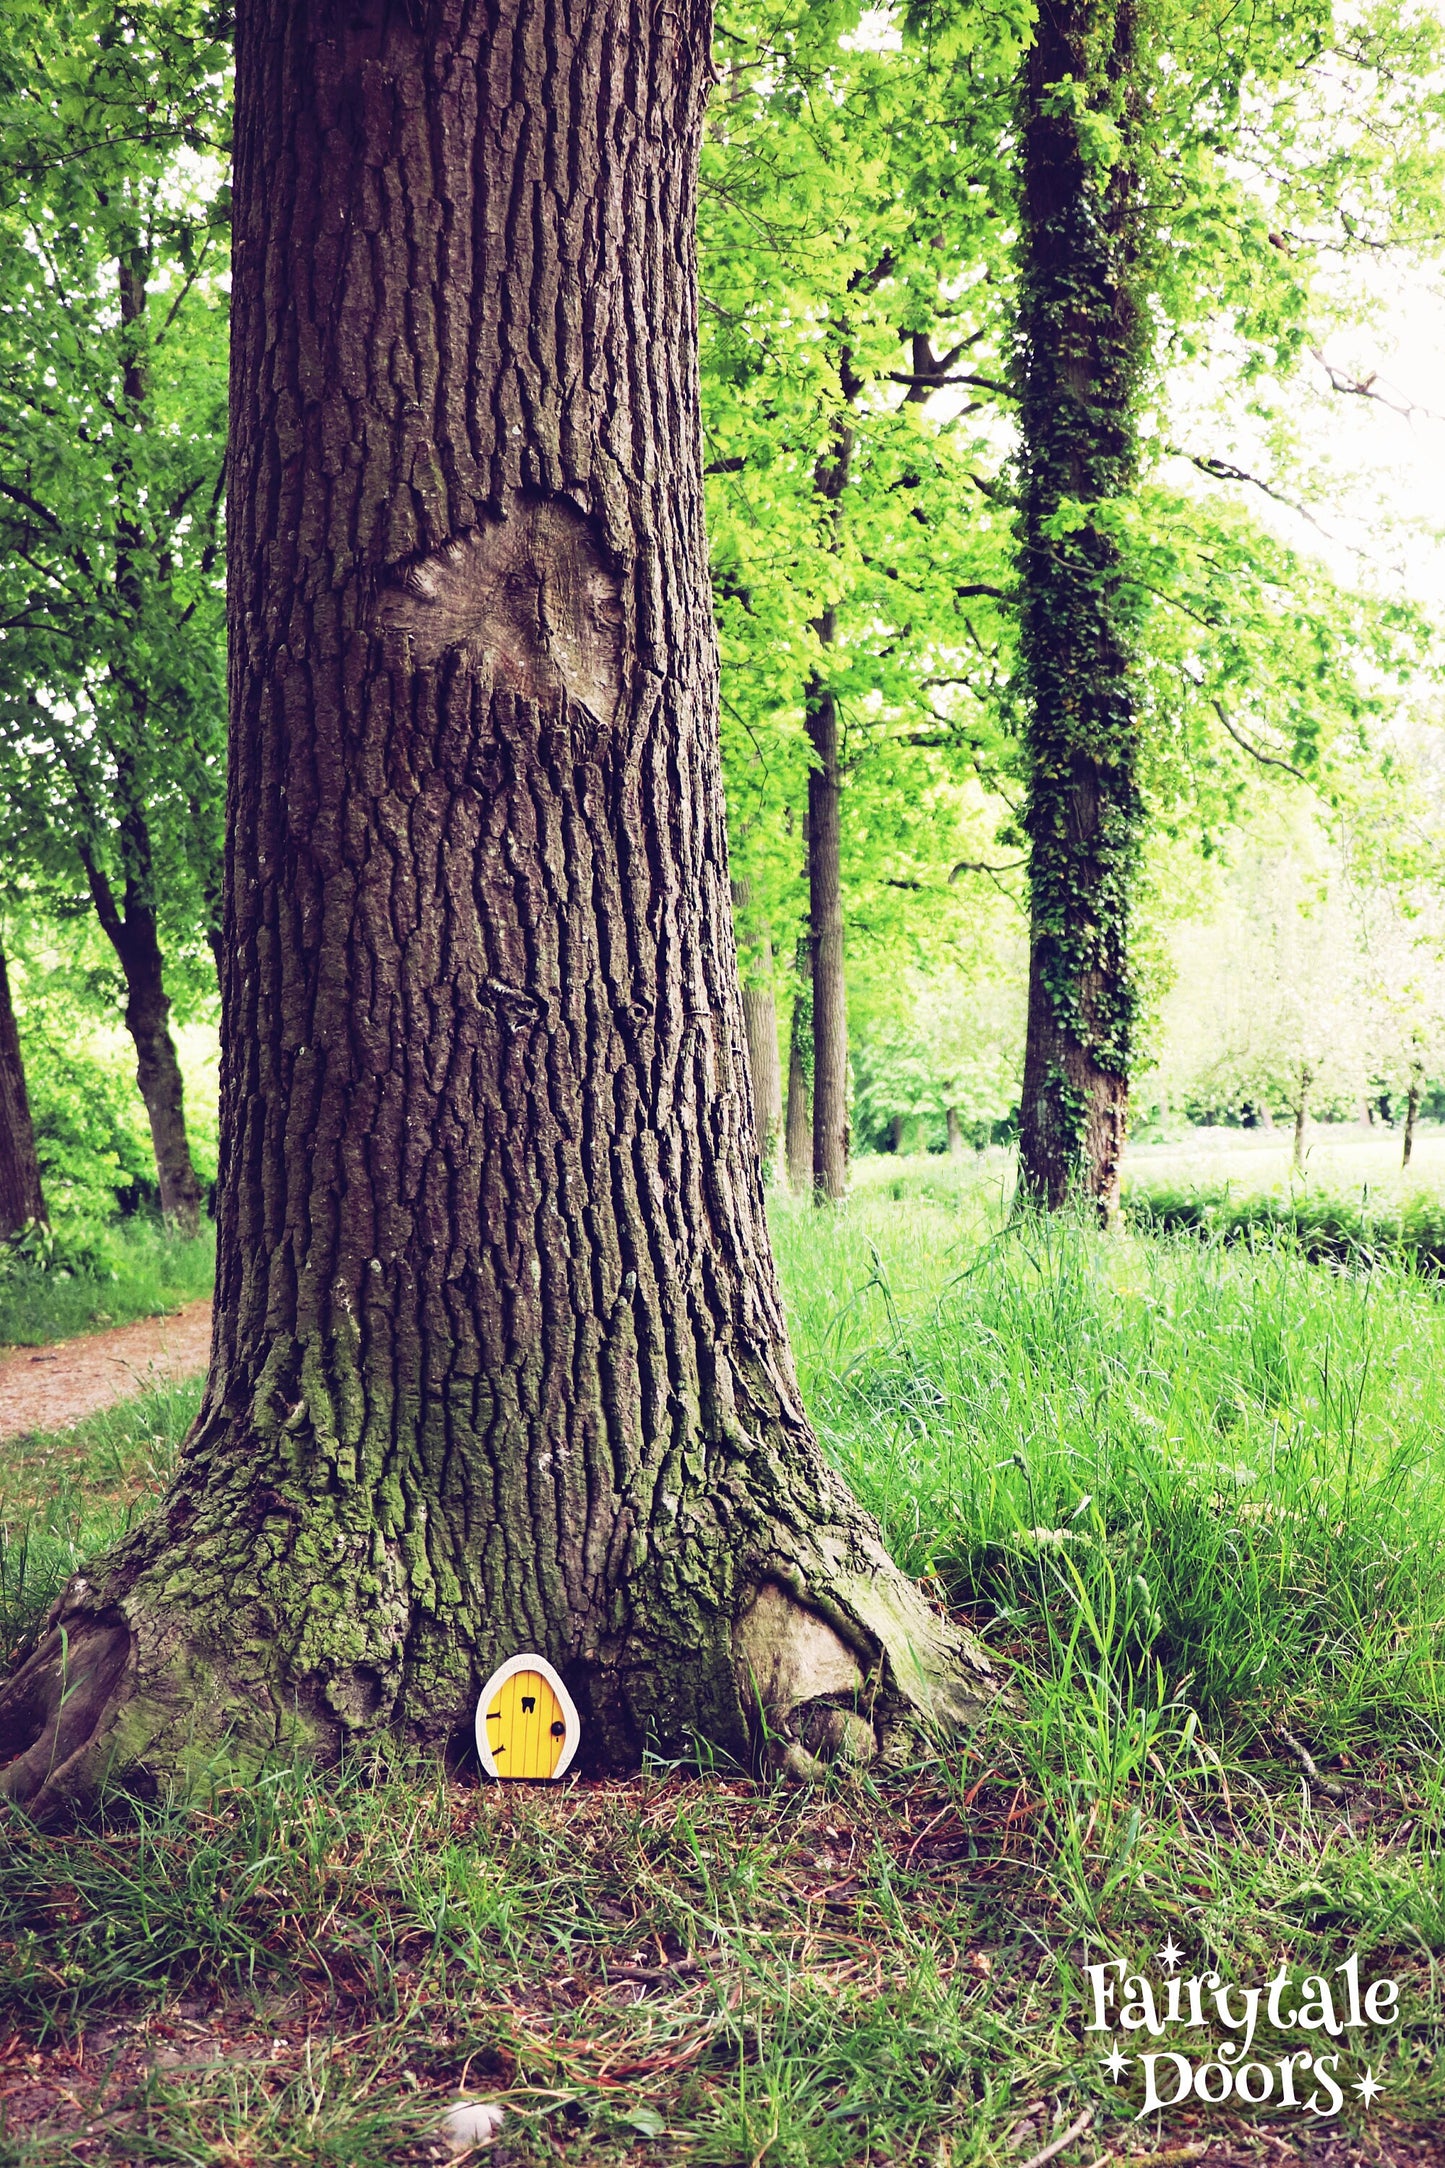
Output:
(1116, 2065)
(1170, 1955)
(1368, 2086)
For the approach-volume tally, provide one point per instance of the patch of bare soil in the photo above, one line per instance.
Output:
(49, 1388)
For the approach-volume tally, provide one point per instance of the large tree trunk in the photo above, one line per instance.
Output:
(798, 1138)
(955, 1132)
(825, 913)
(1082, 336)
(499, 1358)
(21, 1199)
(760, 1028)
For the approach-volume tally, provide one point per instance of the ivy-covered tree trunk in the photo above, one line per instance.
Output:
(499, 1358)
(798, 1132)
(21, 1197)
(1082, 343)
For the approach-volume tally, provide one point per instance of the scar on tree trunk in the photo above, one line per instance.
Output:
(500, 1361)
(21, 1198)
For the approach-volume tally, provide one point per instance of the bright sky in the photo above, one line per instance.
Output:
(1395, 440)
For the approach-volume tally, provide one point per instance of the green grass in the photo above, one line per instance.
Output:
(1193, 1495)
(65, 1496)
(84, 1276)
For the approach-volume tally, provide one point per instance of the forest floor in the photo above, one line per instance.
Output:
(1194, 1499)
(54, 1388)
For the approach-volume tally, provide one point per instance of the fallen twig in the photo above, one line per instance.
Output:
(1306, 1760)
(1065, 2137)
(682, 1970)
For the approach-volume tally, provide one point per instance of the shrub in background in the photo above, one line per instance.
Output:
(1325, 1228)
(91, 1133)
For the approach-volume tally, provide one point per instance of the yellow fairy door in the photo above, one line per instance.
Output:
(525, 1726)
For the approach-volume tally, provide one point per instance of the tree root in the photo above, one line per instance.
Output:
(836, 1661)
(58, 1710)
(858, 1670)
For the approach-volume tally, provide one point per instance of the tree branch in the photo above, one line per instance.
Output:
(1266, 760)
(941, 383)
(1365, 387)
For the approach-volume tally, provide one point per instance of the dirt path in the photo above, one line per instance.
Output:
(49, 1388)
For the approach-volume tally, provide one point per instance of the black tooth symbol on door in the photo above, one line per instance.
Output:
(527, 1723)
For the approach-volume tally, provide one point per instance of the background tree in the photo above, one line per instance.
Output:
(112, 434)
(21, 1196)
(847, 212)
(760, 1027)
(499, 1358)
(1272, 1006)
(1083, 348)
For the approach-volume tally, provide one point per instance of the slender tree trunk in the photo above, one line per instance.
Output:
(825, 913)
(499, 1360)
(158, 1072)
(1412, 1112)
(895, 1134)
(133, 934)
(955, 1131)
(760, 1026)
(1082, 337)
(1301, 1116)
(21, 1198)
(798, 1147)
(829, 1017)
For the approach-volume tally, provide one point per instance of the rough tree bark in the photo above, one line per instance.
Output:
(499, 1359)
(955, 1132)
(21, 1197)
(760, 1028)
(1082, 339)
(798, 1137)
